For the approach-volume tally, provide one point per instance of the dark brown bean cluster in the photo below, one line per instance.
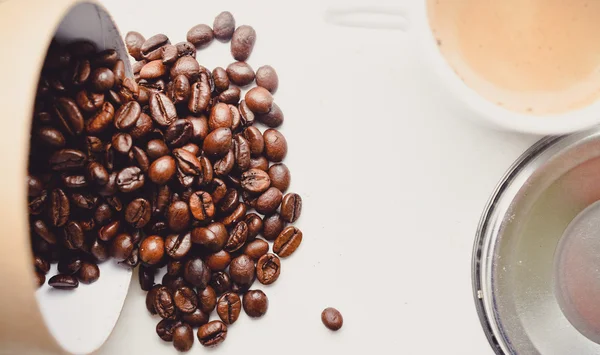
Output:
(166, 169)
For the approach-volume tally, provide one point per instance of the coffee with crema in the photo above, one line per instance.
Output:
(539, 57)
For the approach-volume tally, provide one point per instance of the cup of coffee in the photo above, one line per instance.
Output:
(528, 66)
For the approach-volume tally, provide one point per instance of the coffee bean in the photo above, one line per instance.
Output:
(220, 116)
(219, 190)
(332, 318)
(42, 265)
(242, 42)
(223, 166)
(121, 247)
(272, 226)
(240, 73)
(288, 241)
(146, 277)
(255, 140)
(221, 79)
(186, 49)
(230, 201)
(88, 273)
(174, 267)
(180, 89)
(267, 78)
(137, 212)
(165, 329)
(110, 188)
(102, 79)
(186, 299)
(259, 100)
(268, 268)
(129, 90)
(179, 133)
(152, 250)
(89, 101)
(201, 206)
(273, 118)
(199, 97)
(74, 236)
(68, 115)
(269, 201)
(200, 128)
(242, 270)
(255, 250)
(220, 282)
(229, 307)
(218, 261)
(223, 26)
(119, 72)
(130, 179)
(260, 163)
(122, 142)
(156, 148)
(280, 176)
(208, 239)
(255, 303)
(275, 145)
(255, 181)
(178, 216)
(197, 273)
(127, 115)
(51, 137)
(103, 214)
(79, 72)
(151, 48)
(188, 66)
(200, 35)
(106, 58)
(255, 225)
(109, 231)
(291, 207)
(237, 237)
(192, 148)
(163, 303)
(69, 265)
(183, 337)
(134, 41)
(197, 318)
(178, 246)
(59, 208)
(231, 95)
(162, 170)
(63, 282)
(174, 282)
(236, 216)
(212, 334)
(35, 186)
(40, 228)
(162, 109)
(99, 251)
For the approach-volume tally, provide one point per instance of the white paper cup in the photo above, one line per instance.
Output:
(45, 321)
(412, 18)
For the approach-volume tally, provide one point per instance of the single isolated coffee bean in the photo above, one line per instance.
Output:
(207, 299)
(270, 200)
(332, 318)
(88, 273)
(280, 176)
(255, 303)
(224, 26)
(164, 304)
(242, 42)
(291, 207)
(200, 35)
(268, 268)
(242, 270)
(272, 226)
(275, 145)
(177, 246)
(152, 250)
(63, 282)
(186, 299)
(240, 73)
(229, 307)
(258, 99)
(267, 78)
(183, 337)
(133, 42)
(212, 333)
(151, 48)
(287, 242)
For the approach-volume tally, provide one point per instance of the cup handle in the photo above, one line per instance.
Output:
(369, 17)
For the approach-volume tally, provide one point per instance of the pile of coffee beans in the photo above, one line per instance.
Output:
(166, 169)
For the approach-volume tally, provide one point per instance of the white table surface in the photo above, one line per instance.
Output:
(393, 186)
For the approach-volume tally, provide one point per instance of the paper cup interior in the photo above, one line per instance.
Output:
(81, 320)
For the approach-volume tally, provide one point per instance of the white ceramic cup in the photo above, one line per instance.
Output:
(46, 320)
(412, 18)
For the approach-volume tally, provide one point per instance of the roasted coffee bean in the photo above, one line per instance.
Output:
(74, 236)
(129, 90)
(110, 188)
(241, 149)
(127, 115)
(180, 89)
(224, 26)
(237, 237)
(150, 297)
(140, 157)
(255, 180)
(196, 273)
(207, 300)
(174, 267)
(223, 166)
(230, 201)
(59, 208)
(94, 145)
(259, 100)
(122, 142)
(256, 249)
(273, 118)
(212, 334)
(291, 207)
(113, 97)
(220, 282)
(255, 225)
(272, 226)
(178, 216)
(255, 140)
(51, 137)
(69, 265)
(267, 78)
(169, 54)
(332, 318)
(275, 145)
(63, 282)
(242, 42)
(152, 250)
(165, 329)
(221, 79)
(255, 303)
(142, 127)
(102, 79)
(133, 260)
(88, 273)
(119, 72)
(162, 170)
(79, 72)
(144, 95)
(40, 228)
(178, 246)
(121, 246)
(162, 109)
(229, 307)
(173, 282)
(106, 58)
(208, 239)
(42, 265)
(236, 216)
(200, 128)
(218, 261)
(192, 148)
(109, 231)
(138, 212)
(134, 41)
(269, 201)
(288, 241)
(103, 214)
(35, 186)
(260, 163)
(218, 142)
(247, 117)
(197, 318)
(280, 176)
(220, 116)
(163, 303)
(200, 35)
(179, 133)
(130, 179)
(268, 267)
(97, 173)
(187, 163)
(219, 190)
(201, 206)
(89, 101)
(188, 66)
(183, 337)
(199, 97)
(236, 118)
(153, 85)
(153, 70)
(240, 73)
(151, 48)
(231, 95)
(146, 277)
(57, 84)
(185, 299)
(99, 251)
(68, 115)
(242, 270)
(74, 181)
(161, 198)
(156, 148)
(186, 49)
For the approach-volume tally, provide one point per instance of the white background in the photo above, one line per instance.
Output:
(393, 185)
